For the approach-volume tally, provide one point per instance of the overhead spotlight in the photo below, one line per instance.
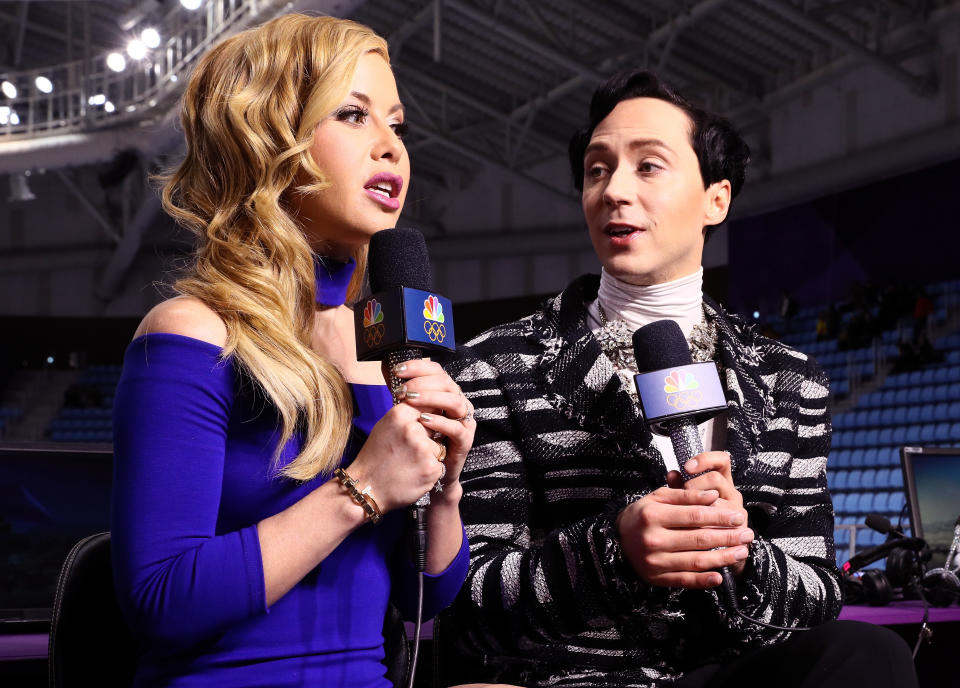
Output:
(136, 49)
(174, 77)
(150, 38)
(9, 90)
(43, 84)
(109, 107)
(191, 4)
(131, 108)
(4, 114)
(98, 99)
(19, 191)
(116, 62)
(14, 118)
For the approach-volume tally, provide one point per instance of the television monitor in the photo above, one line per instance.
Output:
(931, 477)
(51, 496)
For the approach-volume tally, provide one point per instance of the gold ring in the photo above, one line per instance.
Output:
(443, 452)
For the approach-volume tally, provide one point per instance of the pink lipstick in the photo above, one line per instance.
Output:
(384, 188)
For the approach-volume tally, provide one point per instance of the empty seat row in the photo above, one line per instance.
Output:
(81, 424)
(863, 503)
(81, 436)
(865, 479)
(92, 412)
(874, 457)
(906, 396)
(934, 375)
(908, 415)
(842, 371)
(928, 433)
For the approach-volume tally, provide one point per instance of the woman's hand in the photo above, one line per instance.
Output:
(678, 536)
(445, 412)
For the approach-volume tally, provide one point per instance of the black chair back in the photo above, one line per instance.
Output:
(89, 641)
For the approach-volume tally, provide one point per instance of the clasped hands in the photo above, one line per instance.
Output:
(678, 535)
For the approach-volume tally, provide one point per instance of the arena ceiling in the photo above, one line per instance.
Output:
(501, 84)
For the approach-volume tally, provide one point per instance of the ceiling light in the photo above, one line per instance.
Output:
(116, 62)
(4, 114)
(191, 4)
(150, 37)
(9, 90)
(109, 107)
(44, 85)
(14, 118)
(174, 77)
(98, 99)
(136, 49)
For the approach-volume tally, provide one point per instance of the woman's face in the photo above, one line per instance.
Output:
(360, 150)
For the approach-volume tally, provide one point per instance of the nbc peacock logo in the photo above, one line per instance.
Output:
(433, 319)
(682, 389)
(372, 323)
(433, 309)
(372, 313)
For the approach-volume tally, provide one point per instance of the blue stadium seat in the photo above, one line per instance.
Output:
(915, 379)
(886, 437)
(856, 458)
(927, 433)
(940, 412)
(941, 375)
(954, 433)
(954, 374)
(895, 502)
(865, 503)
(869, 478)
(941, 392)
(839, 458)
(914, 415)
(883, 479)
(896, 478)
(928, 377)
(873, 418)
(872, 438)
(840, 479)
(841, 421)
(953, 411)
(902, 397)
(889, 456)
(900, 435)
(853, 482)
(841, 537)
(914, 434)
(860, 438)
(889, 397)
(915, 394)
(870, 456)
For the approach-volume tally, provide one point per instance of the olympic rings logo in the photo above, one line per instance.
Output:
(435, 330)
(373, 335)
(684, 400)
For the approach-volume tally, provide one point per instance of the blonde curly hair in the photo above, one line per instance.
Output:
(248, 115)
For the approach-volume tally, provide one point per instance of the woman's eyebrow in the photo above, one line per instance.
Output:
(365, 99)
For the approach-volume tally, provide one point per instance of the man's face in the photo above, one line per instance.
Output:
(643, 196)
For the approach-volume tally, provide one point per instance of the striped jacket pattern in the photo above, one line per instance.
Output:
(560, 449)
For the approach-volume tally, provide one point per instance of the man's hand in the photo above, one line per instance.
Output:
(672, 535)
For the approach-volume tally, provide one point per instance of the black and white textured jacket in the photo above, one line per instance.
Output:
(561, 448)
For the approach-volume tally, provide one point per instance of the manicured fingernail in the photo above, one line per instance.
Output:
(717, 579)
(400, 368)
(690, 466)
(736, 519)
(709, 493)
(746, 536)
(741, 553)
(426, 417)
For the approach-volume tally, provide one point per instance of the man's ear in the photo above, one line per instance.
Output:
(717, 202)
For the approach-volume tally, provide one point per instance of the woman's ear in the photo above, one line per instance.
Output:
(717, 201)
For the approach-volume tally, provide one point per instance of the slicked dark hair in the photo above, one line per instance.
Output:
(721, 151)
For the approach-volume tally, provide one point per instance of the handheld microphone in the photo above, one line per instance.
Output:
(882, 524)
(675, 395)
(398, 321)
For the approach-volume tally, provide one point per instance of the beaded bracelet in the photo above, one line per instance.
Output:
(364, 499)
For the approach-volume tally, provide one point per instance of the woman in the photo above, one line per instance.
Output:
(255, 455)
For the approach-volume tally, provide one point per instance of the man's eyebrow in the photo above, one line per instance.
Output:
(365, 99)
(635, 143)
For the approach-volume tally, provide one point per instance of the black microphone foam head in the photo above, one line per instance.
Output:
(398, 258)
(879, 523)
(660, 345)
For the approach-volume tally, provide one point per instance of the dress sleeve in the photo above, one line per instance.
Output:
(439, 589)
(178, 581)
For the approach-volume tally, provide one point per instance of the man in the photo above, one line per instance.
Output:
(587, 569)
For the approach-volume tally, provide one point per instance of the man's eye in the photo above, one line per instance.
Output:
(595, 172)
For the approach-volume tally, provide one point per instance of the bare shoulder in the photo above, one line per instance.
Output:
(187, 316)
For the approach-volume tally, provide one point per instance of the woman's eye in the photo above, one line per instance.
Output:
(595, 171)
(647, 166)
(400, 129)
(353, 114)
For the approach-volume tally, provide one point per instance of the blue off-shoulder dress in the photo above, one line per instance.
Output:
(193, 442)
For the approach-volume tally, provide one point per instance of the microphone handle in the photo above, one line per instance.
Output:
(685, 438)
(418, 510)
